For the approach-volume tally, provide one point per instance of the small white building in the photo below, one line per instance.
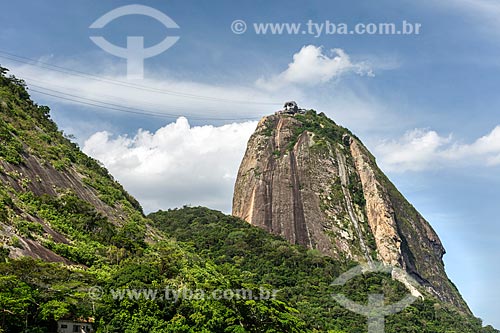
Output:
(79, 325)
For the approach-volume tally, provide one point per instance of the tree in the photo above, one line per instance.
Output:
(15, 300)
(54, 310)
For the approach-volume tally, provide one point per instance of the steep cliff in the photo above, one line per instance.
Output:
(314, 183)
(52, 196)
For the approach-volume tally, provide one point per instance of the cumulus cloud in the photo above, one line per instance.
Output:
(176, 165)
(312, 66)
(422, 149)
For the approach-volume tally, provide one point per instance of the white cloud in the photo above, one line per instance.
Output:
(110, 93)
(414, 151)
(164, 95)
(176, 165)
(424, 149)
(489, 8)
(486, 12)
(311, 66)
(351, 107)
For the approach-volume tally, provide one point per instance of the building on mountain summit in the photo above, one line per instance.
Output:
(290, 107)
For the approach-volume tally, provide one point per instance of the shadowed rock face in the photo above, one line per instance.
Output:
(313, 183)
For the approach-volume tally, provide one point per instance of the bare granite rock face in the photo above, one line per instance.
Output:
(314, 183)
(42, 179)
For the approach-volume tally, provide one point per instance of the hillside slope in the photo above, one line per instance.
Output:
(75, 245)
(53, 196)
(304, 276)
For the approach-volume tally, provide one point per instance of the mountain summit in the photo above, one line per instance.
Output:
(313, 182)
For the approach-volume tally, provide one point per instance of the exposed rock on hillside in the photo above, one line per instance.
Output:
(52, 196)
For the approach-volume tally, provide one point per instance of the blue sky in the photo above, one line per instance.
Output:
(428, 112)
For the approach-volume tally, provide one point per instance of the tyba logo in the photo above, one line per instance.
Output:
(135, 52)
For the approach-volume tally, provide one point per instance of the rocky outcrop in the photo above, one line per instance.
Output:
(41, 178)
(282, 192)
(379, 210)
(315, 184)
